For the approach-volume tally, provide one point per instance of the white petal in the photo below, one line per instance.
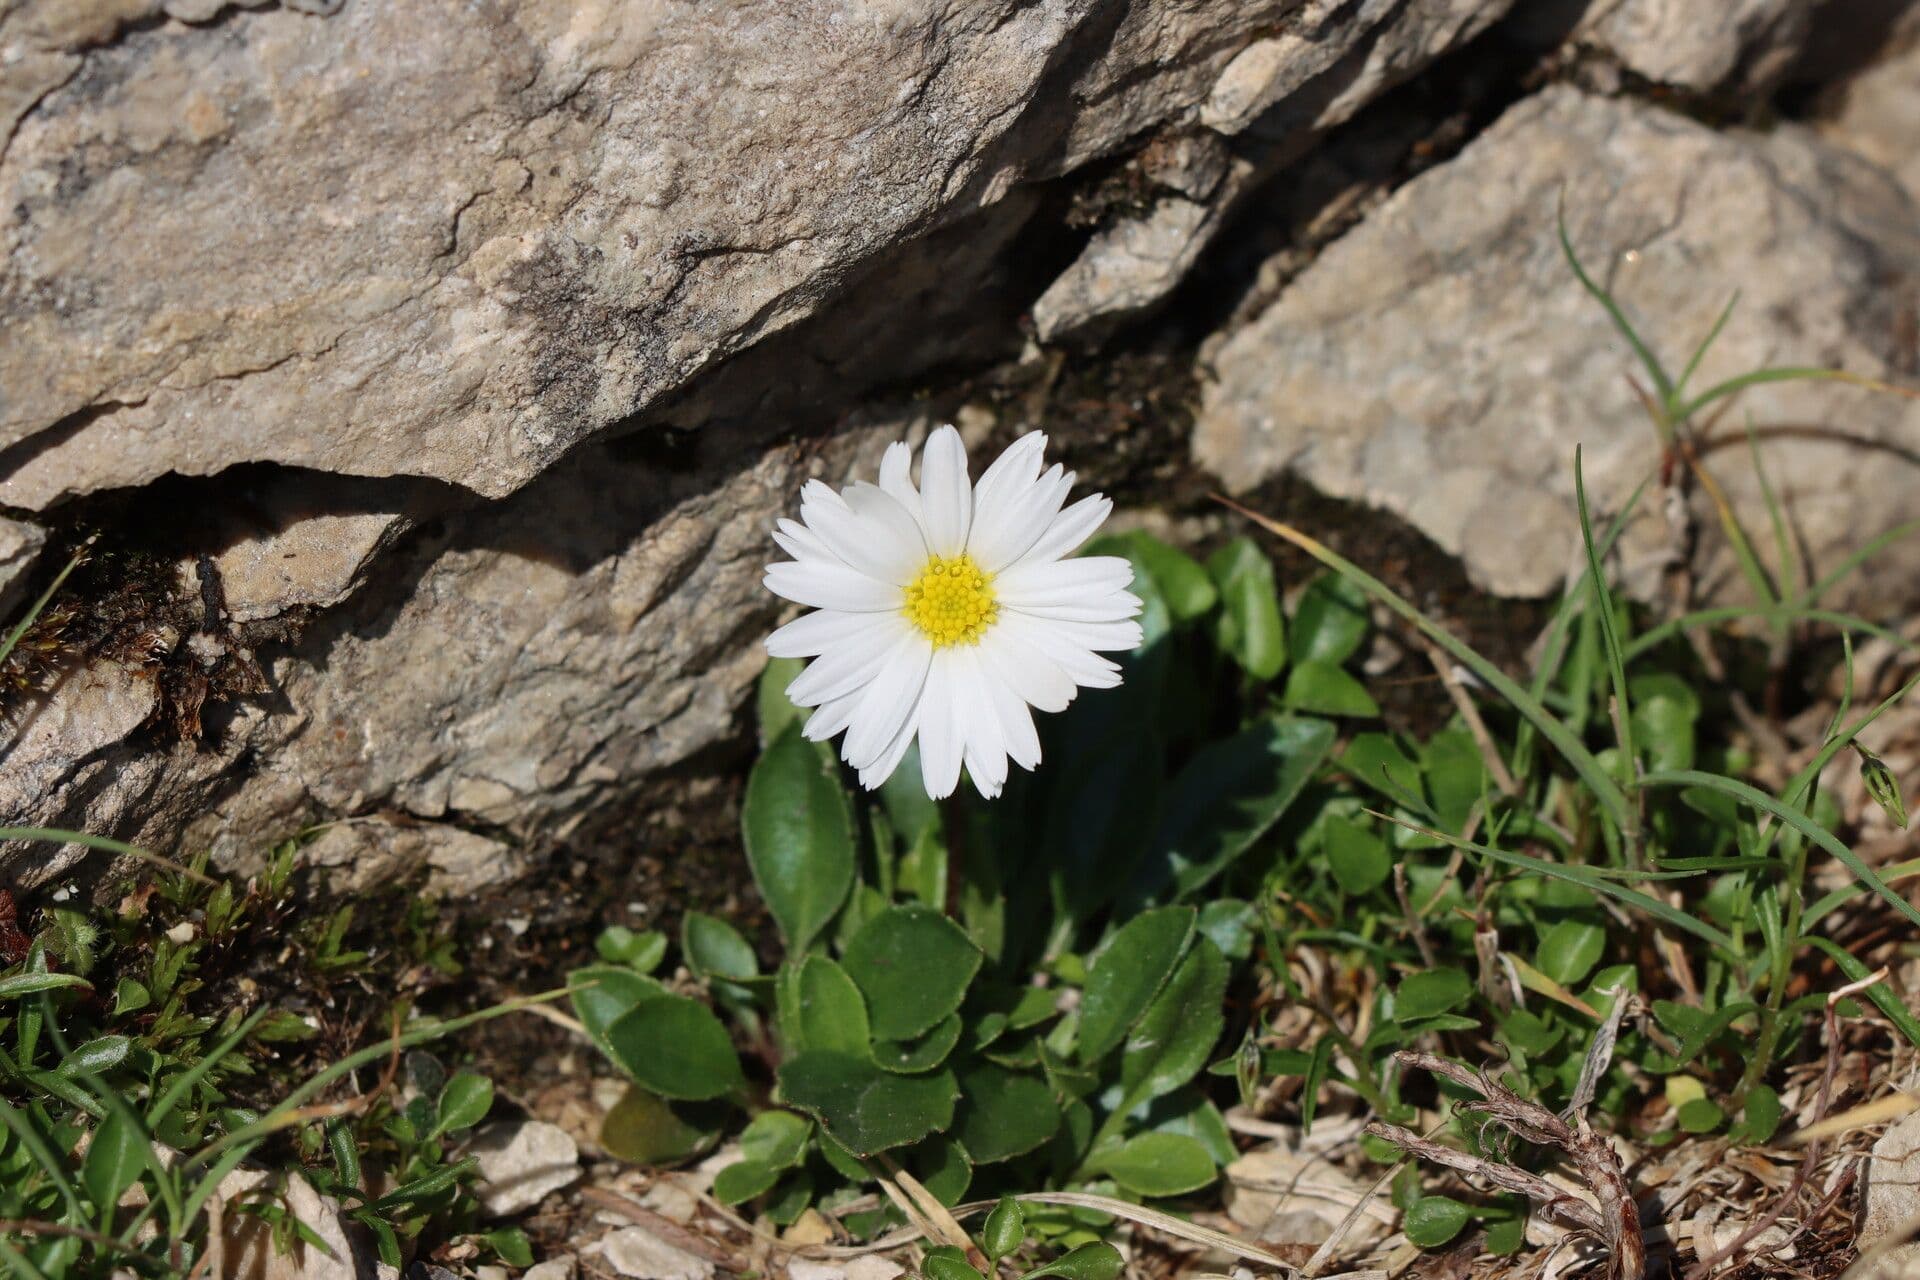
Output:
(830, 719)
(831, 586)
(1025, 669)
(941, 746)
(986, 750)
(1011, 474)
(1086, 581)
(1019, 520)
(1085, 667)
(890, 699)
(1016, 720)
(1069, 529)
(882, 769)
(802, 543)
(945, 492)
(812, 634)
(897, 482)
(870, 538)
(1110, 636)
(850, 665)
(1117, 606)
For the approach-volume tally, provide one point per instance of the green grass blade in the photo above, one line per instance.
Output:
(1592, 878)
(1575, 752)
(1840, 897)
(1806, 826)
(1788, 563)
(1884, 1000)
(1700, 352)
(1784, 373)
(1661, 382)
(1653, 637)
(55, 835)
(1865, 552)
(1603, 607)
(43, 1155)
(39, 606)
(17, 1262)
(163, 1105)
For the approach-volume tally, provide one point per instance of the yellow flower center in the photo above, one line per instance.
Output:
(952, 601)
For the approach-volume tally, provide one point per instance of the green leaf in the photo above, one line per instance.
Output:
(1762, 1116)
(130, 996)
(924, 1054)
(1183, 584)
(1701, 1115)
(1884, 1000)
(1003, 1113)
(1229, 923)
(27, 984)
(715, 949)
(944, 1266)
(1159, 1164)
(511, 1246)
(676, 1048)
(645, 1129)
(777, 1139)
(1174, 1038)
(1096, 1260)
(1431, 1221)
(1249, 627)
(864, 1108)
(944, 1168)
(798, 829)
(1228, 796)
(1430, 993)
(1127, 973)
(1358, 858)
(777, 713)
(821, 1008)
(464, 1103)
(913, 965)
(642, 952)
(603, 993)
(1005, 1229)
(1569, 951)
(114, 1160)
(1327, 690)
(743, 1180)
(1330, 621)
(95, 1056)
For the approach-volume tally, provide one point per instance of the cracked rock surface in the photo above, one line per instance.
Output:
(455, 358)
(1440, 361)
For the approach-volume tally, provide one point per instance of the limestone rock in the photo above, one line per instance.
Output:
(1733, 44)
(637, 1252)
(1892, 1217)
(438, 240)
(1877, 114)
(20, 546)
(521, 1163)
(1283, 91)
(1440, 361)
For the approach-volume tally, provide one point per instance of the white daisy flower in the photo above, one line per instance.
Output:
(947, 611)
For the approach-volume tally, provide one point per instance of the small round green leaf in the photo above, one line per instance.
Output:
(913, 965)
(944, 1266)
(1433, 1220)
(1569, 950)
(645, 1129)
(777, 1139)
(1324, 689)
(865, 1108)
(675, 1047)
(924, 1054)
(742, 1181)
(715, 949)
(1160, 1164)
(1358, 858)
(1249, 626)
(821, 1008)
(1702, 1115)
(1330, 621)
(1004, 1113)
(1430, 993)
(1096, 1260)
(602, 993)
(464, 1102)
(1005, 1230)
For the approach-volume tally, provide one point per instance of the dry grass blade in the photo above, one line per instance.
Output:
(1614, 1220)
(1599, 1054)
(665, 1228)
(1879, 1111)
(1165, 1223)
